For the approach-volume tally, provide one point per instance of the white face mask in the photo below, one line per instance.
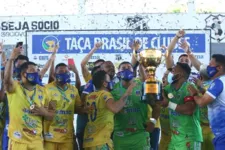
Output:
(170, 78)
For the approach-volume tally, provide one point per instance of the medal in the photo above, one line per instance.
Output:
(170, 95)
(32, 107)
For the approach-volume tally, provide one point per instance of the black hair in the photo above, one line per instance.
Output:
(25, 66)
(99, 78)
(182, 55)
(94, 70)
(185, 67)
(99, 60)
(125, 62)
(60, 65)
(21, 57)
(220, 59)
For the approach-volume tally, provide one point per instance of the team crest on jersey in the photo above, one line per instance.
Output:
(72, 96)
(40, 97)
(105, 97)
(138, 93)
(55, 95)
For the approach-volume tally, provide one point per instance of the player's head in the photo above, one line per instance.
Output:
(62, 74)
(109, 68)
(184, 59)
(125, 71)
(181, 71)
(99, 62)
(95, 69)
(29, 73)
(216, 66)
(101, 80)
(21, 59)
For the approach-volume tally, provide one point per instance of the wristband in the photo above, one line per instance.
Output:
(172, 106)
(152, 120)
(188, 98)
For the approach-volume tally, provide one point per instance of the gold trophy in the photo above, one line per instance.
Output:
(150, 59)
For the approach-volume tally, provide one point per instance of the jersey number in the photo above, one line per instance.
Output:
(93, 115)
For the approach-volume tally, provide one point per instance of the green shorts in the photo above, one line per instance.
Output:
(135, 141)
(185, 145)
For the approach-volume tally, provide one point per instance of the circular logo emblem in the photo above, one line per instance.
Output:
(49, 43)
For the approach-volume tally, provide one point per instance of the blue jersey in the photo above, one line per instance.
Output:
(216, 109)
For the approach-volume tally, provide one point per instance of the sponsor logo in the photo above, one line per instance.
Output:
(48, 135)
(43, 57)
(216, 24)
(120, 134)
(132, 110)
(17, 135)
(60, 130)
(49, 43)
(95, 57)
(32, 132)
(64, 112)
(88, 140)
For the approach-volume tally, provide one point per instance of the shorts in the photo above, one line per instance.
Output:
(13, 145)
(58, 146)
(101, 147)
(185, 145)
(154, 136)
(207, 138)
(219, 143)
(165, 141)
(5, 138)
(133, 141)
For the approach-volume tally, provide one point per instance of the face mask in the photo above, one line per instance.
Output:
(211, 71)
(33, 78)
(126, 75)
(170, 78)
(63, 78)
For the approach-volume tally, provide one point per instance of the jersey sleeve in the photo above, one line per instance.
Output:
(215, 88)
(107, 96)
(89, 87)
(88, 77)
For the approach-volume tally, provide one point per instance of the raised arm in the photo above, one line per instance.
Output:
(8, 75)
(51, 72)
(77, 77)
(49, 62)
(116, 106)
(84, 69)
(134, 47)
(168, 56)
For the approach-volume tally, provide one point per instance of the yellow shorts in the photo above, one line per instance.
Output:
(101, 147)
(13, 145)
(165, 141)
(207, 138)
(58, 146)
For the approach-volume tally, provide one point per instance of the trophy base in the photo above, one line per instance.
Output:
(150, 99)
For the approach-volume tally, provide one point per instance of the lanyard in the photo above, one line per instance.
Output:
(63, 94)
(29, 99)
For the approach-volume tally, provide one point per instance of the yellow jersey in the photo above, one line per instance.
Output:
(25, 127)
(88, 77)
(100, 121)
(60, 129)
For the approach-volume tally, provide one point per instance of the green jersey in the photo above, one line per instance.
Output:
(183, 127)
(129, 123)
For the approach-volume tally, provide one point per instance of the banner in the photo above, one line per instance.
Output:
(76, 44)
